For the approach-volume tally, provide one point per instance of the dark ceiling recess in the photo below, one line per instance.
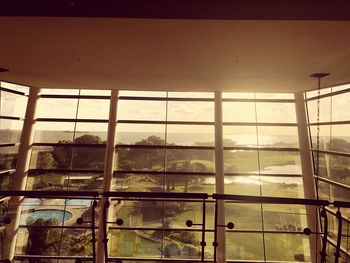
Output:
(183, 9)
(3, 70)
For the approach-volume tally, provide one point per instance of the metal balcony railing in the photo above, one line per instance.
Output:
(101, 201)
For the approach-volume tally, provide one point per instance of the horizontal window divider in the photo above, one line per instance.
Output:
(11, 118)
(71, 120)
(53, 194)
(19, 257)
(259, 100)
(329, 123)
(159, 259)
(8, 144)
(165, 99)
(167, 122)
(71, 145)
(329, 181)
(207, 201)
(329, 94)
(12, 91)
(261, 148)
(164, 173)
(157, 195)
(271, 200)
(180, 147)
(259, 124)
(329, 210)
(58, 96)
(264, 231)
(68, 171)
(263, 174)
(57, 226)
(332, 152)
(160, 229)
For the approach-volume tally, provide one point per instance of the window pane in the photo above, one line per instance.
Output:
(137, 93)
(13, 86)
(324, 137)
(93, 92)
(238, 161)
(197, 135)
(190, 160)
(276, 112)
(190, 111)
(238, 95)
(11, 104)
(239, 136)
(291, 187)
(244, 246)
(244, 216)
(340, 140)
(93, 109)
(60, 91)
(10, 131)
(140, 134)
(141, 110)
(172, 94)
(286, 247)
(279, 162)
(325, 110)
(57, 108)
(242, 185)
(238, 111)
(340, 105)
(6, 181)
(8, 157)
(275, 136)
(140, 159)
(340, 169)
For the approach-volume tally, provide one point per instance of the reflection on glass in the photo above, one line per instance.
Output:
(274, 136)
(239, 136)
(6, 178)
(8, 157)
(190, 111)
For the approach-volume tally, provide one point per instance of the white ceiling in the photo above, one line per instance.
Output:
(154, 54)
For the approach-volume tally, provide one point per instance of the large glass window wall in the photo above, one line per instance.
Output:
(329, 132)
(165, 142)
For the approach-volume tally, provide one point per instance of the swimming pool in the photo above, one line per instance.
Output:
(45, 214)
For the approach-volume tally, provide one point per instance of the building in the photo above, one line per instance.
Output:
(142, 101)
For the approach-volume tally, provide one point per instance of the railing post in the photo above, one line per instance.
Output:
(108, 173)
(219, 182)
(307, 172)
(21, 174)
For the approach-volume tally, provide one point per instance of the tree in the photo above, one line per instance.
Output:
(41, 239)
(79, 157)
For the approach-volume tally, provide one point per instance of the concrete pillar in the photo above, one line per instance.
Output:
(219, 181)
(21, 174)
(108, 170)
(307, 172)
